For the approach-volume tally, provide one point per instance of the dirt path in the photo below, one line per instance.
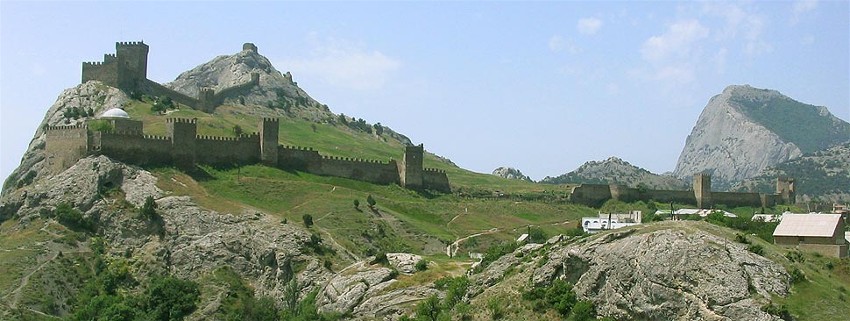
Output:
(451, 250)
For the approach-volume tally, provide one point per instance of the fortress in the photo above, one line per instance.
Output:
(127, 70)
(701, 195)
(182, 147)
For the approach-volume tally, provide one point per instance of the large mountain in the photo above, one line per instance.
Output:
(744, 130)
(823, 175)
(616, 171)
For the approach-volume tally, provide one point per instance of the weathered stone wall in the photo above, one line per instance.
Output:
(736, 199)
(65, 146)
(155, 89)
(362, 170)
(299, 158)
(106, 72)
(590, 194)
(228, 150)
(411, 166)
(667, 196)
(435, 179)
(133, 148)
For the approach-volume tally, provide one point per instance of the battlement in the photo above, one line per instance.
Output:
(271, 120)
(220, 138)
(130, 43)
(153, 137)
(65, 127)
(182, 120)
(434, 170)
(293, 147)
(92, 63)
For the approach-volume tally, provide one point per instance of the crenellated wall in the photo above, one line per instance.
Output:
(701, 196)
(183, 147)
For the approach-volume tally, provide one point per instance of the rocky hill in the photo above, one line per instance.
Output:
(745, 130)
(510, 173)
(822, 176)
(617, 171)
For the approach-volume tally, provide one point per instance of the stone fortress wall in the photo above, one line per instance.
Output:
(184, 148)
(702, 196)
(127, 70)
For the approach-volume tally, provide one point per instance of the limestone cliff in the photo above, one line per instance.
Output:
(617, 171)
(744, 130)
(510, 173)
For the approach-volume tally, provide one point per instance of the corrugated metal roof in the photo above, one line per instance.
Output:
(821, 225)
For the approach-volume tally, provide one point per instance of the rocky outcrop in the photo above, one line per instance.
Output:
(670, 272)
(744, 130)
(510, 173)
(364, 291)
(617, 171)
(90, 95)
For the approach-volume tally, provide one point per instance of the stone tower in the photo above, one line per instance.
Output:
(183, 132)
(132, 63)
(785, 190)
(269, 129)
(702, 190)
(411, 167)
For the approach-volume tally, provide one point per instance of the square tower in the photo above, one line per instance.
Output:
(411, 167)
(269, 130)
(183, 133)
(132, 59)
(785, 190)
(702, 190)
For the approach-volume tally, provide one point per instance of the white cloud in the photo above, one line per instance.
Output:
(742, 25)
(677, 42)
(343, 64)
(589, 26)
(559, 44)
(801, 7)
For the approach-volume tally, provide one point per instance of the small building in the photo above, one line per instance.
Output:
(684, 213)
(822, 233)
(610, 221)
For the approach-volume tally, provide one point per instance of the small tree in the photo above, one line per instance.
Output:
(378, 129)
(357, 204)
(308, 220)
(237, 130)
(421, 265)
(148, 210)
(371, 201)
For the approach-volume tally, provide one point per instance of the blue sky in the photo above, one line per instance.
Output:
(540, 86)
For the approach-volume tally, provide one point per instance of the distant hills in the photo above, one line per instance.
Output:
(745, 130)
(617, 171)
(510, 173)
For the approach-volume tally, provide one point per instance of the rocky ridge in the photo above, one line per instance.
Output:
(617, 171)
(510, 173)
(664, 271)
(744, 130)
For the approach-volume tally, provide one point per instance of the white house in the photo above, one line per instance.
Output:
(609, 221)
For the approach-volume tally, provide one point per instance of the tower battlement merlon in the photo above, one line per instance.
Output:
(130, 43)
(182, 120)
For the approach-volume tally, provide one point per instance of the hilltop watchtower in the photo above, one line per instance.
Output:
(126, 69)
(702, 190)
(411, 167)
(183, 132)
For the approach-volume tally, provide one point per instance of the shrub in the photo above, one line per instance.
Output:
(308, 220)
(148, 210)
(797, 276)
(536, 235)
(421, 265)
(756, 248)
(380, 258)
(356, 204)
(72, 218)
(371, 201)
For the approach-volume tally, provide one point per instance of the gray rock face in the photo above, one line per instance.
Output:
(744, 130)
(675, 273)
(510, 173)
(617, 171)
(404, 262)
(92, 94)
(232, 70)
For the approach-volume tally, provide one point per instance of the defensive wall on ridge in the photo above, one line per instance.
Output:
(127, 70)
(182, 146)
(701, 195)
